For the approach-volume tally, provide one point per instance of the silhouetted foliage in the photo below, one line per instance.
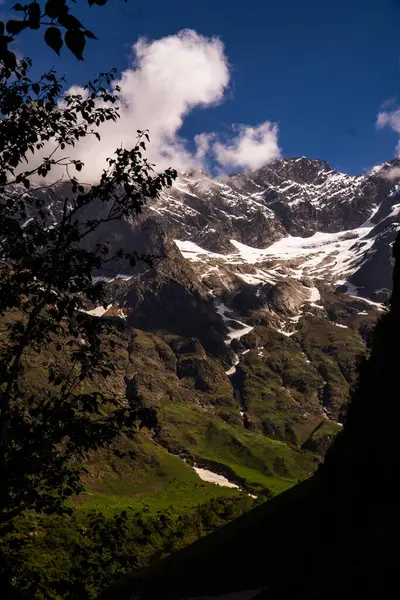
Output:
(77, 557)
(47, 259)
(46, 268)
(61, 27)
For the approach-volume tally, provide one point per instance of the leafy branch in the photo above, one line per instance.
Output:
(47, 258)
(61, 27)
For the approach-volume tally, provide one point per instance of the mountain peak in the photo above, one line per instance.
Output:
(301, 170)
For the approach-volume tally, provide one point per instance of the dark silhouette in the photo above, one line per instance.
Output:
(60, 25)
(50, 423)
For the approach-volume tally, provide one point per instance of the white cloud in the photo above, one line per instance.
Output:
(168, 78)
(203, 143)
(251, 148)
(390, 119)
(392, 174)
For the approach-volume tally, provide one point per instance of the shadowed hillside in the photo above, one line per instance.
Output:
(335, 534)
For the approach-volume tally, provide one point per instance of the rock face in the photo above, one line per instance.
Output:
(296, 248)
(296, 218)
(287, 269)
(272, 278)
(291, 196)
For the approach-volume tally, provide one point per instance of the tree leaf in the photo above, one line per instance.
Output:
(15, 27)
(9, 60)
(55, 8)
(34, 15)
(53, 38)
(90, 34)
(69, 21)
(75, 41)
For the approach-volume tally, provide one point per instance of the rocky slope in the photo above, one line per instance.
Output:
(247, 331)
(291, 260)
(335, 534)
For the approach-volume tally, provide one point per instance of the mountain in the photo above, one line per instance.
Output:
(276, 276)
(246, 331)
(294, 219)
(294, 250)
(245, 335)
(300, 198)
(336, 534)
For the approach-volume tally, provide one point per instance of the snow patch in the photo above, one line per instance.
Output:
(211, 477)
(256, 278)
(193, 252)
(315, 296)
(395, 210)
(26, 223)
(232, 370)
(99, 311)
(233, 334)
(295, 319)
(337, 253)
(236, 334)
(286, 333)
(352, 291)
(120, 276)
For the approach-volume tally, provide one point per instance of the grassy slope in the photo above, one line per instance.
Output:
(322, 437)
(332, 536)
(279, 387)
(248, 457)
(156, 480)
(284, 380)
(203, 426)
(200, 419)
(333, 352)
(284, 535)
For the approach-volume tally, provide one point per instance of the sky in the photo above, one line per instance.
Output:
(231, 85)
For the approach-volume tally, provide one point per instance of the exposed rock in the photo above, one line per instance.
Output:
(190, 346)
(287, 297)
(266, 268)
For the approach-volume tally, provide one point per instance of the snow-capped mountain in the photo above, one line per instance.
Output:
(269, 244)
(275, 276)
(292, 196)
(293, 219)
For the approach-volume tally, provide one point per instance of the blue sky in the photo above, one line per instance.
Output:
(319, 70)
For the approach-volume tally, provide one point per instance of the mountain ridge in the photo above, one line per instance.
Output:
(244, 334)
(280, 326)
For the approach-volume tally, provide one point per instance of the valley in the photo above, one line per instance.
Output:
(244, 334)
(248, 352)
